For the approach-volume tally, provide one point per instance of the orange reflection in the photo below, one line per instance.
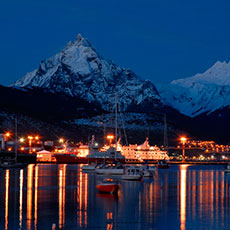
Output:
(183, 170)
(20, 198)
(62, 178)
(7, 179)
(29, 195)
(109, 217)
(82, 196)
(36, 198)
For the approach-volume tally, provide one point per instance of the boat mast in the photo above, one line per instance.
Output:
(116, 118)
(165, 132)
(16, 140)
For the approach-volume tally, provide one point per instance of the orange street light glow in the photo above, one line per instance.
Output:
(22, 139)
(61, 140)
(36, 137)
(8, 134)
(183, 139)
(110, 137)
(30, 137)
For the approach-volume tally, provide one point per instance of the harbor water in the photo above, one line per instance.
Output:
(181, 197)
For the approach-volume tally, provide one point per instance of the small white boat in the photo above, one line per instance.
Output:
(132, 173)
(89, 167)
(12, 164)
(112, 169)
(147, 173)
(227, 169)
(148, 170)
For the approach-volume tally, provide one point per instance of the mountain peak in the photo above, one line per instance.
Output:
(79, 70)
(82, 41)
(217, 74)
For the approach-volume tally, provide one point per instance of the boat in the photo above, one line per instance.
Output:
(112, 169)
(12, 163)
(143, 152)
(147, 172)
(89, 167)
(132, 173)
(69, 158)
(162, 164)
(108, 154)
(227, 169)
(108, 186)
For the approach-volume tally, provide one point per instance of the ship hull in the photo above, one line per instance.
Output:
(73, 159)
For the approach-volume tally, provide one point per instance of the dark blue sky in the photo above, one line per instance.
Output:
(159, 40)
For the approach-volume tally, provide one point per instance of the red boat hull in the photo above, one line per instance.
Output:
(69, 159)
(66, 158)
(163, 166)
(108, 188)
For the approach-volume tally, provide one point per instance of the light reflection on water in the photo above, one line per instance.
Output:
(182, 197)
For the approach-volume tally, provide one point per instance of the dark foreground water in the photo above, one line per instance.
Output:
(182, 197)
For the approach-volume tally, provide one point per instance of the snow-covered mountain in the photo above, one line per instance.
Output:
(78, 70)
(202, 93)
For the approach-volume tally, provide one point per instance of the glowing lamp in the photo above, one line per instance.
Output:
(21, 139)
(183, 139)
(61, 140)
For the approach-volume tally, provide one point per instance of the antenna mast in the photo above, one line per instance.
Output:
(165, 132)
(116, 118)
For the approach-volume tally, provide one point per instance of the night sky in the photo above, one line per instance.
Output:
(159, 40)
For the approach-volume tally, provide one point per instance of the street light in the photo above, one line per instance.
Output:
(30, 138)
(110, 138)
(21, 139)
(183, 140)
(61, 140)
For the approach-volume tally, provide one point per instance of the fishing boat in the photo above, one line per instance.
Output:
(162, 164)
(227, 169)
(112, 169)
(108, 186)
(132, 173)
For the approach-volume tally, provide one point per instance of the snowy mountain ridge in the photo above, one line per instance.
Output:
(78, 70)
(201, 93)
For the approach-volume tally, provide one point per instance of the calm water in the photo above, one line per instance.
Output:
(182, 197)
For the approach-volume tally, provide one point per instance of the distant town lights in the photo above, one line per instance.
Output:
(8, 134)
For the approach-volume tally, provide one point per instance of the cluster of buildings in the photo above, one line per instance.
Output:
(45, 149)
